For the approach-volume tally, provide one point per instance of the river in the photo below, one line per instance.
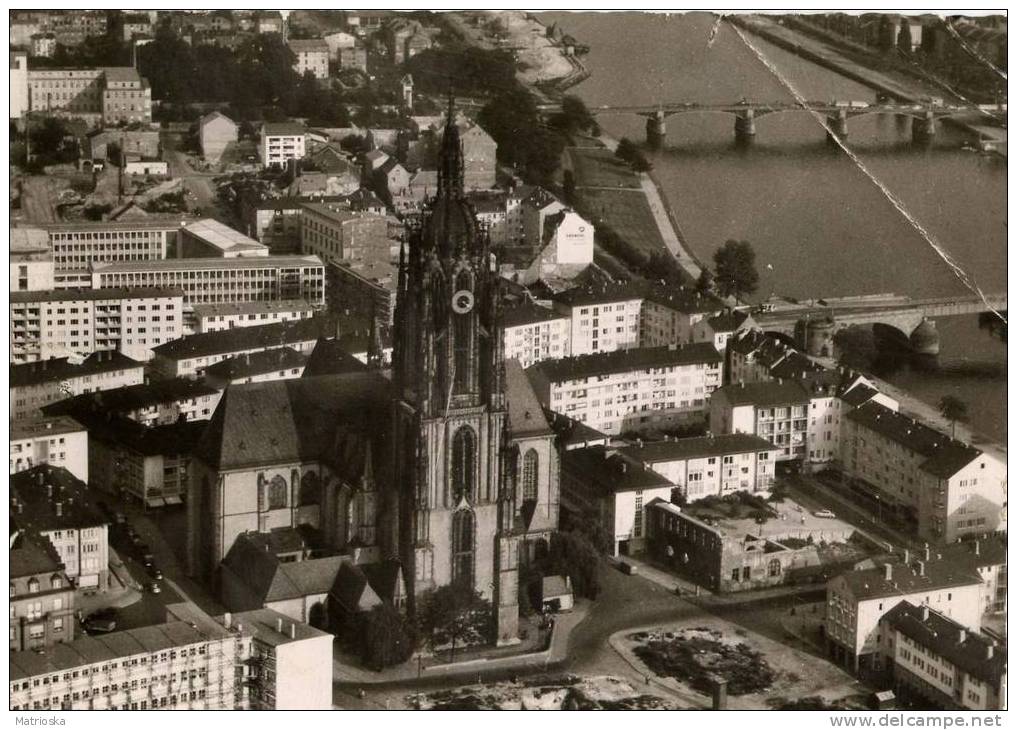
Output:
(819, 224)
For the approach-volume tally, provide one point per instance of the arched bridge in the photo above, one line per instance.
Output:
(745, 113)
(813, 324)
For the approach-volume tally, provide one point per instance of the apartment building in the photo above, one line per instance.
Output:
(340, 235)
(353, 57)
(364, 291)
(220, 280)
(56, 441)
(126, 98)
(602, 484)
(947, 488)
(160, 402)
(602, 320)
(710, 465)
(533, 333)
(36, 384)
(775, 410)
(51, 502)
(310, 55)
(210, 238)
(613, 392)
(112, 95)
(279, 363)
(227, 315)
(48, 324)
(42, 597)
(720, 328)
(276, 222)
(857, 600)
(190, 356)
(17, 62)
(76, 246)
(282, 141)
(31, 259)
(932, 659)
(216, 132)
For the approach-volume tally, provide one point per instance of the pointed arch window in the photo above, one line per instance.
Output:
(463, 539)
(310, 489)
(531, 468)
(277, 492)
(464, 464)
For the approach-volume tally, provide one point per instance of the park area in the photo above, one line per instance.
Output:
(759, 671)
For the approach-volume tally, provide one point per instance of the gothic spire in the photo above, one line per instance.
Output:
(450, 163)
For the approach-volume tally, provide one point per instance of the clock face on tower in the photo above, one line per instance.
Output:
(462, 301)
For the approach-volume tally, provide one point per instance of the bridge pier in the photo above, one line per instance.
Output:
(837, 124)
(923, 129)
(656, 131)
(745, 125)
(925, 339)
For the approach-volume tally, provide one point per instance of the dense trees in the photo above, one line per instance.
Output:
(385, 638)
(954, 410)
(513, 121)
(735, 269)
(574, 117)
(470, 70)
(857, 347)
(628, 151)
(456, 615)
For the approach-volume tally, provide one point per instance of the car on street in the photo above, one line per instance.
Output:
(825, 513)
(154, 587)
(147, 558)
(627, 568)
(101, 622)
(154, 571)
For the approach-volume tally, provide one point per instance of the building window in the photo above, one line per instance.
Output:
(462, 547)
(277, 492)
(464, 457)
(531, 465)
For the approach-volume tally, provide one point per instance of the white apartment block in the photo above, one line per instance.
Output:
(220, 280)
(776, 411)
(710, 465)
(941, 661)
(603, 324)
(858, 599)
(37, 384)
(950, 489)
(32, 264)
(280, 142)
(48, 324)
(158, 403)
(311, 55)
(225, 316)
(613, 392)
(341, 235)
(533, 333)
(255, 660)
(56, 441)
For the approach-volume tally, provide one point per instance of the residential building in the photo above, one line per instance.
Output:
(276, 221)
(988, 556)
(720, 328)
(353, 57)
(109, 144)
(48, 324)
(269, 21)
(858, 599)
(280, 363)
(136, 24)
(337, 40)
(216, 132)
(227, 315)
(43, 45)
(602, 320)
(31, 260)
(340, 235)
(603, 485)
(710, 465)
(36, 384)
(58, 441)
(219, 280)
(126, 97)
(391, 179)
(282, 141)
(534, 333)
(51, 502)
(311, 56)
(367, 291)
(632, 390)
(191, 355)
(42, 598)
(935, 660)
(778, 411)
(19, 99)
(563, 250)
(720, 559)
(160, 402)
(947, 488)
(210, 238)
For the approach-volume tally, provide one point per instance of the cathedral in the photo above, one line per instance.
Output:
(446, 465)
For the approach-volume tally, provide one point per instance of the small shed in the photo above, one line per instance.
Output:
(556, 593)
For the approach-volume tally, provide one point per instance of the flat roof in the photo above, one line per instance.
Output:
(225, 308)
(619, 361)
(74, 295)
(222, 236)
(50, 426)
(207, 264)
(698, 447)
(237, 339)
(141, 224)
(61, 368)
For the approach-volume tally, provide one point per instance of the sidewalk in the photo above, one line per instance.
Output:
(410, 673)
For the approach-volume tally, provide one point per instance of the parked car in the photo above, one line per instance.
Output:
(154, 587)
(154, 571)
(627, 568)
(101, 622)
(824, 513)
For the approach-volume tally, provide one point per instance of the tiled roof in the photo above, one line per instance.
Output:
(282, 129)
(859, 394)
(697, 447)
(51, 426)
(269, 579)
(257, 363)
(60, 368)
(939, 573)
(42, 491)
(728, 321)
(606, 471)
(525, 415)
(967, 650)
(133, 397)
(308, 46)
(570, 432)
(90, 295)
(32, 554)
(765, 393)
(527, 312)
(331, 357)
(944, 456)
(263, 336)
(618, 361)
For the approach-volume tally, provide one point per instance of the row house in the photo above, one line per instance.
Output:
(311, 56)
(533, 333)
(337, 234)
(159, 402)
(227, 315)
(776, 411)
(42, 596)
(56, 441)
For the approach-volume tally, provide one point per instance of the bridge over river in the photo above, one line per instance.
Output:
(813, 324)
(923, 117)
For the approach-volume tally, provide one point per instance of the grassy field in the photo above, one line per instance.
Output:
(598, 167)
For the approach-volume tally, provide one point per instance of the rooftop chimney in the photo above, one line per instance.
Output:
(990, 649)
(907, 556)
(921, 567)
(49, 491)
(227, 619)
(925, 613)
(293, 631)
(962, 636)
(978, 547)
(59, 508)
(928, 552)
(888, 571)
(278, 625)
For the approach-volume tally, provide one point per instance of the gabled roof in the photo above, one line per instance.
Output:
(859, 394)
(38, 492)
(618, 361)
(257, 363)
(213, 116)
(939, 573)
(525, 415)
(282, 129)
(271, 580)
(967, 650)
(133, 397)
(765, 393)
(606, 471)
(308, 46)
(352, 590)
(697, 447)
(728, 321)
(527, 312)
(331, 357)
(264, 336)
(60, 368)
(571, 432)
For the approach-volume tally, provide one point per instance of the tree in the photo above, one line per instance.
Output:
(630, 153)
(904, 36)
(574, 116)
(456, 614)
(386, 640)
(574, 554)
(704, 283)
(857, 347)
(954, 410)
(735, 269)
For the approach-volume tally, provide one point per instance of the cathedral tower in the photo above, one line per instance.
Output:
(452, 517)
